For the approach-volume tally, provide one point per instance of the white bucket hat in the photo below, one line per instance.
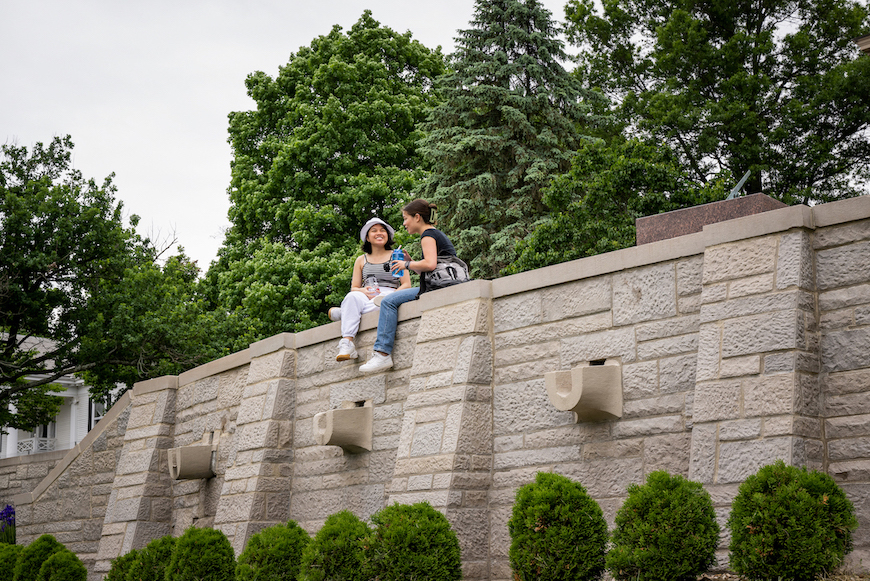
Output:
(368, 225)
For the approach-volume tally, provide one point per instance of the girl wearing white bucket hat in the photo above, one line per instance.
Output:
(371, 281)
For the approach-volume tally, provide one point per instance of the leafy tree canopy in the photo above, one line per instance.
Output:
(80, 293)
(511, 118)
(331, 143)
(772, 86)
(595, 204)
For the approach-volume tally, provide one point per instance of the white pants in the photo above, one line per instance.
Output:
(355, 305)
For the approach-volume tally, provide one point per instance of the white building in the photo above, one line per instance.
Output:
(76, 417)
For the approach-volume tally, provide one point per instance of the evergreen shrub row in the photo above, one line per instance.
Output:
(786, 524)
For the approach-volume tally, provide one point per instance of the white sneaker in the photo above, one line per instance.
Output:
(346, 350)
(377, 363)
(335, 313)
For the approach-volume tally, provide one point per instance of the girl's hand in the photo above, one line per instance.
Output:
(371, 292)
(397, 265)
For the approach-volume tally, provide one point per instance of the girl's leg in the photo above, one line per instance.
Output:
(352, 308)
(389, 318)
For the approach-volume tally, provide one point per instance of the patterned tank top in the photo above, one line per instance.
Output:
(377, 271)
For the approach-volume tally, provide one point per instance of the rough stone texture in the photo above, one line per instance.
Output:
(732, 356)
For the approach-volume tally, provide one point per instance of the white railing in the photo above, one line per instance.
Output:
(35, 445)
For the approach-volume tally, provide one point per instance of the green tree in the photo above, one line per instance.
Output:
(509, 123)
(81, 293)
(594, 205)
(331, 143)
(776, 87)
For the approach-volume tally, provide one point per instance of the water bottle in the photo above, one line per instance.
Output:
(398, 254)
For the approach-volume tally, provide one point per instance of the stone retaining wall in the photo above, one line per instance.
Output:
(738, 345)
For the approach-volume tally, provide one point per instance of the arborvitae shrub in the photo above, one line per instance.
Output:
(121, 565)
(336, 552)
(790, 524)
(8, 556)
(63, 566)
(273, 554)
(666, 529)
(412, 542)
(202, 555)
(557, 531)
(34, 555)
(151, 562)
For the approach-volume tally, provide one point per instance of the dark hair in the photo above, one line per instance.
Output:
(422, 207)
(367, 246)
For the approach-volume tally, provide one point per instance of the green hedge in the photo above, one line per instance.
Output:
(790, 524)
(34, 555)
(557, 531)
(336, 553)
(273, 554)
(665, 529)
(202, 555)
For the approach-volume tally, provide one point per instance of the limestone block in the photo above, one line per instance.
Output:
(240, 508)
(349, 427)
(232, 383)
(739, 259)
(436, 356)
(368, 387)
(842, 234)
(667, 347)
(862, 315)
(653, 406)
(843, 266)
(845, 350)
(649, 426)
(427, 439)
(280, 399)
(251, 409)
(474, 361)
(689, 274)
(472, 529)
(754, 285)
(644, 294)
(709, 350)
(257, 435)
(739, 460)
(133, 462)
(601, 345)
(542, 458)
(669, 452)
(757, 305)
(141, 416)
(273, 365)
(713, 293)
(507, 443)
(677, 373)
(431, 414)
(456, 319)
(515, 311)
(576, 299)
(631, 448)
(435, 397)
(437, 498)
(604, 478)
(739, 366)
(794, 265)
(847, 427)
(668, 328)
(525, 371)
(522, 407)
(849, 449)
(540, 334)
(450, 438)
(848, 382)
(846, 297)
(740, 430)
(716, 400)
(640, 380)
(769, 395)
(760, 333)
(690, 305)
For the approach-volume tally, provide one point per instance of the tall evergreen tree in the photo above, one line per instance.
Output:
(331, 143)
(772, 86)
(510, 120)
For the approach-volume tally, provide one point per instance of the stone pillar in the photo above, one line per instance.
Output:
(140, 507)
(444, 453)
(757, 390)
(257, 481)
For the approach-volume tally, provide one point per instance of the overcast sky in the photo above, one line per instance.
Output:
(144, 88)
